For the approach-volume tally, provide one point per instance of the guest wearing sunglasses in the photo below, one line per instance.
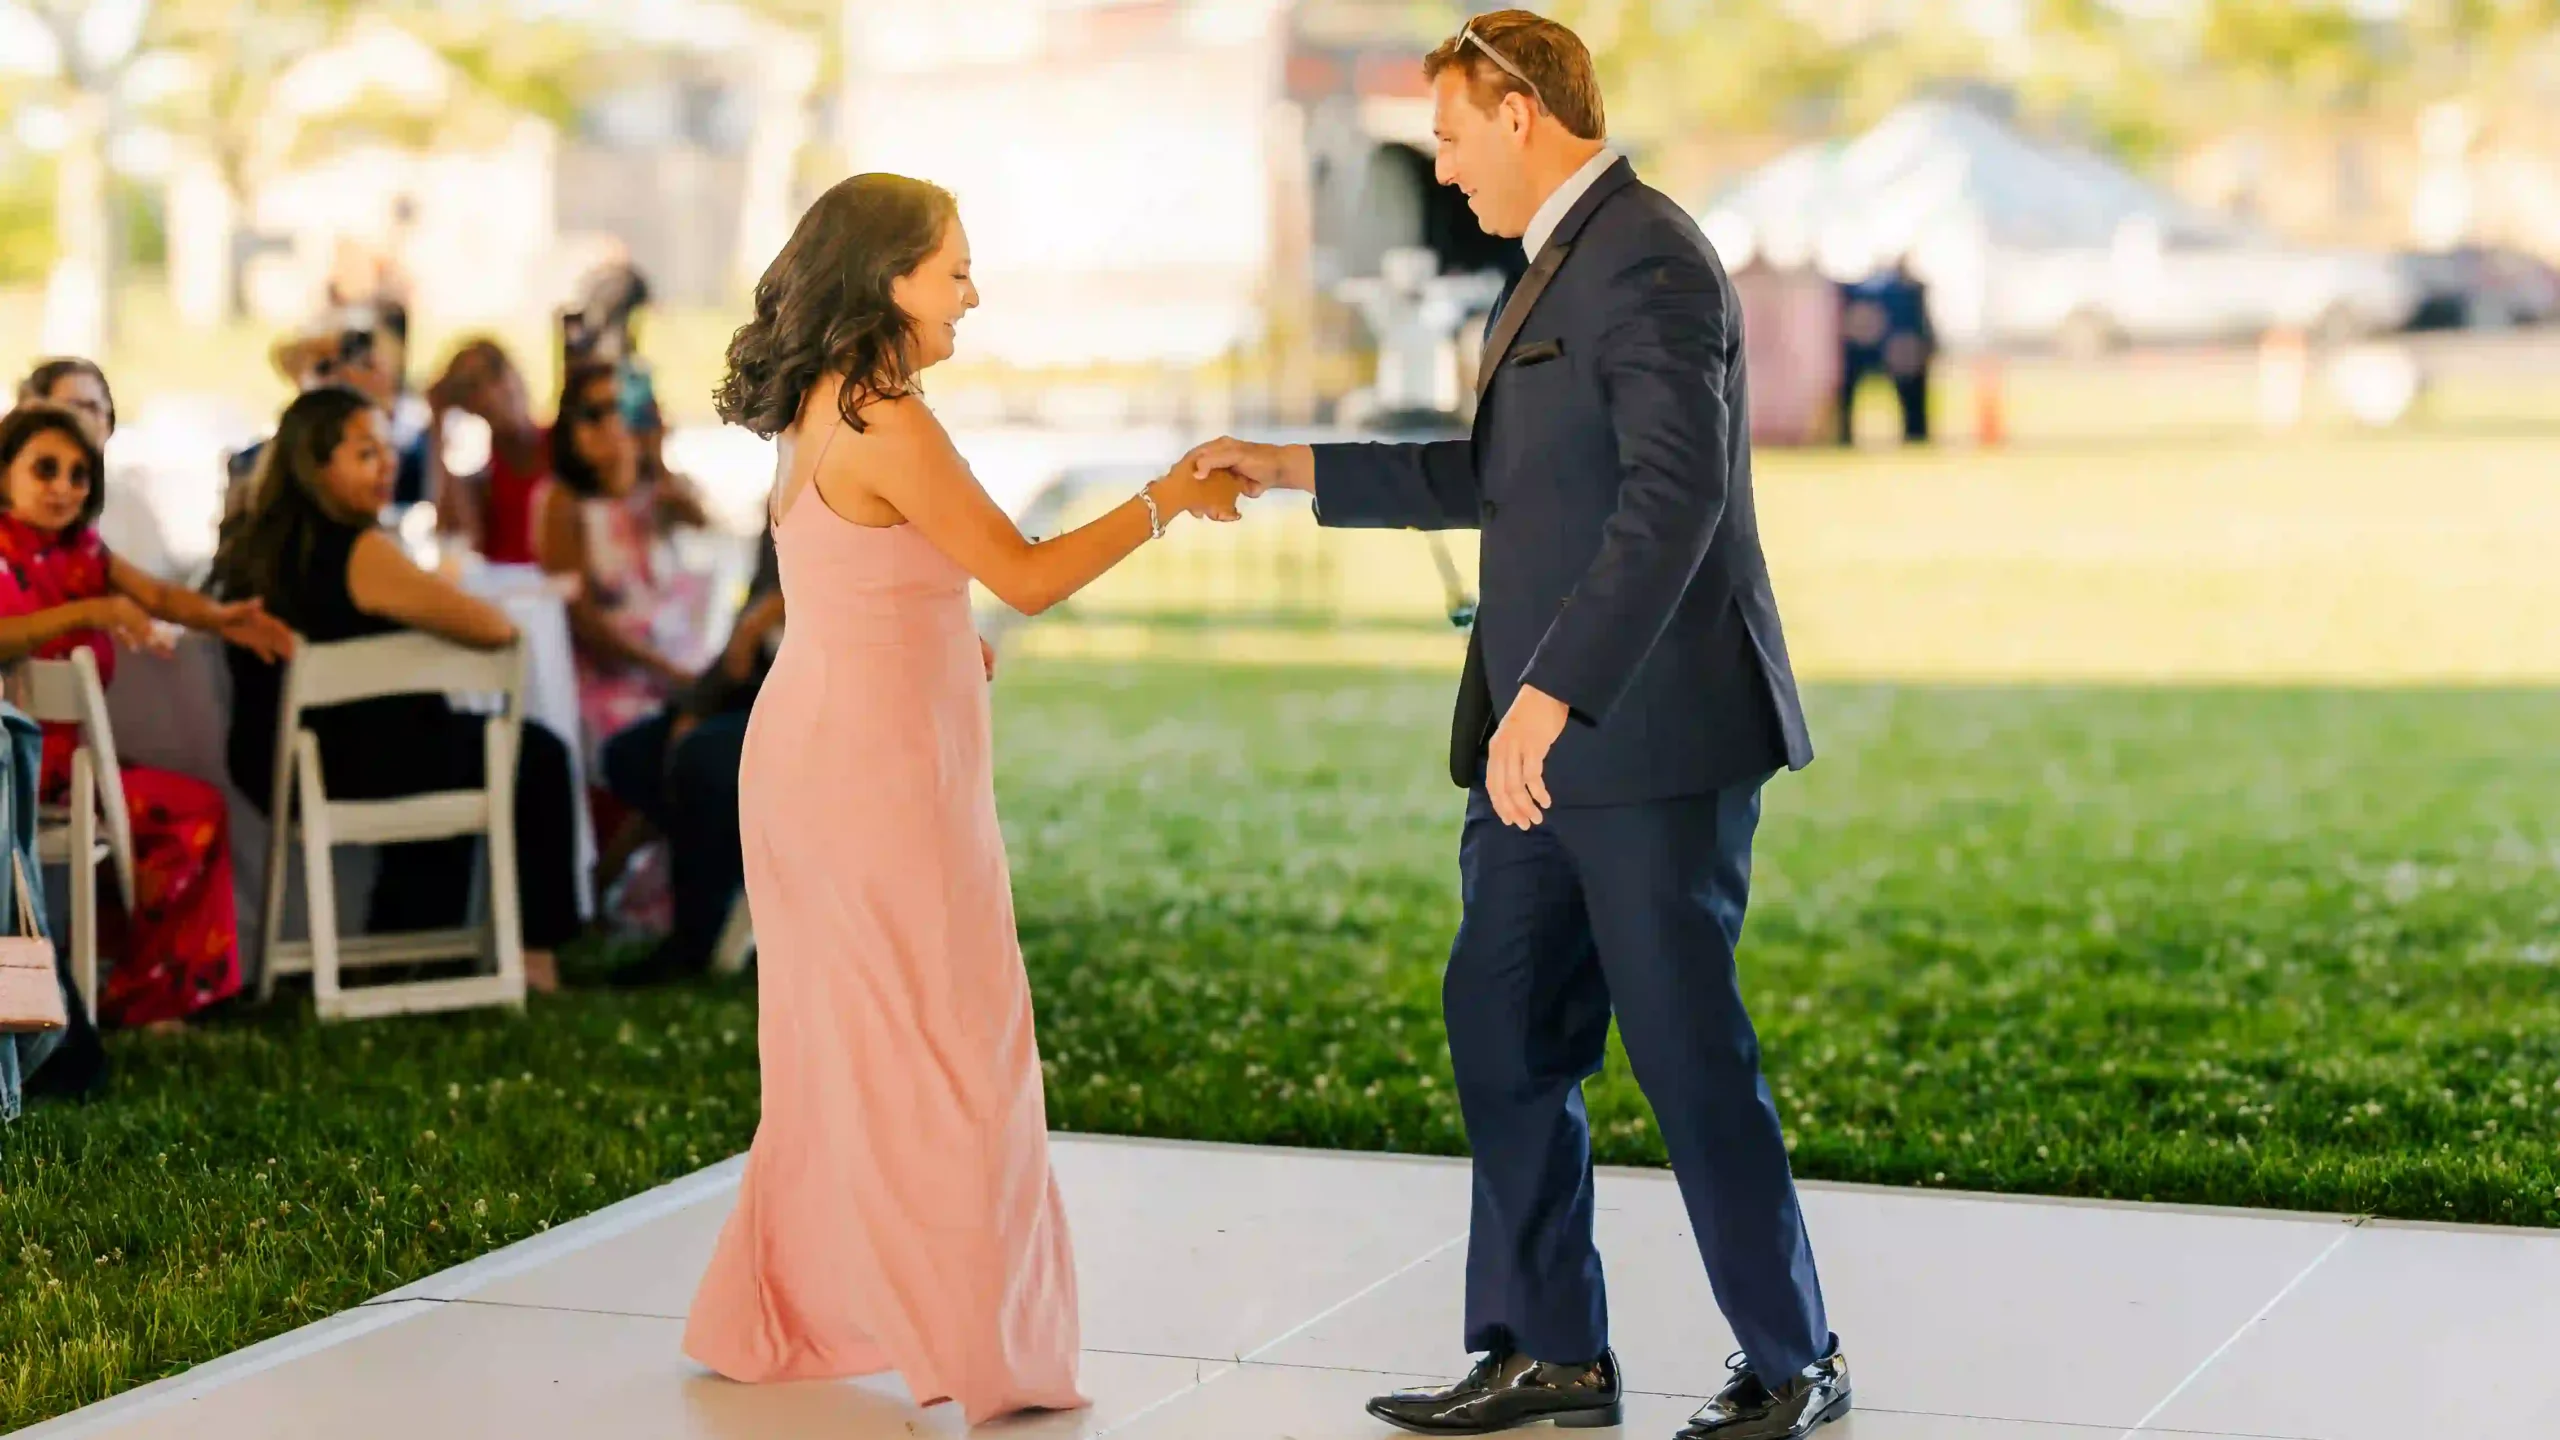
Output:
(61, 591)
(598, 524)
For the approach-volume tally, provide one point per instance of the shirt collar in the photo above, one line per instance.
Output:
(1542, 226)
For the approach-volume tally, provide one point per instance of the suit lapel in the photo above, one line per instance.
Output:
(1515, 311)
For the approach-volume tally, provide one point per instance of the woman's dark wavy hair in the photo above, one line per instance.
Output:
(40, 382)
(568, 466)
(269, 545)
(823, 305)
(19, 429)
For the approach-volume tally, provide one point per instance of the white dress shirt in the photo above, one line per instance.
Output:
(1542, 226)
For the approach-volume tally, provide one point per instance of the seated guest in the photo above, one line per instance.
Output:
(78, 386)
(679, 769)
(357, 349)
(600, 526)
(62, 590)
(308, 545)
(495, 508)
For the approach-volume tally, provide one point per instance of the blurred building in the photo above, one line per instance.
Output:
(1172, 184)
(691, 158)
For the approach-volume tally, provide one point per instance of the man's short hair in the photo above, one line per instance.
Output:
(1554, 68)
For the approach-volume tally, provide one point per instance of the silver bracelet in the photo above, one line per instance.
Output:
(1155, 517)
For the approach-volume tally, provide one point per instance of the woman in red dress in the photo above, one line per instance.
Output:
(61, 590)
(494, 509)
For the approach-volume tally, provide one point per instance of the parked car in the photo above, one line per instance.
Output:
(2196, 281)
(2481, 287)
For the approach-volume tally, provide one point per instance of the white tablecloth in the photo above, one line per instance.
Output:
(174, 713)
(550, 683)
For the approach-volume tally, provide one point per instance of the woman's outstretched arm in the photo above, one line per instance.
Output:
(909, 461)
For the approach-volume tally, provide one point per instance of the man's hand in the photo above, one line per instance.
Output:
(1263, 467)
(1516, 769)
(1209, 495)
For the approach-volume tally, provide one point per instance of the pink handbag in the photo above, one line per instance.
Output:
(30, 987)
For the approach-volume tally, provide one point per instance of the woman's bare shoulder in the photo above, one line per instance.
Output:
(903, 420)
(375, 546)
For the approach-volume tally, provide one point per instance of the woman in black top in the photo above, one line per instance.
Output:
(308, 544)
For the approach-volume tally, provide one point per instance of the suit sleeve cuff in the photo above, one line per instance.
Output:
(1316, 468)
(1580, 695)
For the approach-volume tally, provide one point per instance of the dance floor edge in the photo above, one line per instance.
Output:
(1236, 1293)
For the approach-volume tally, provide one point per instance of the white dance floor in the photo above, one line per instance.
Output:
(1243, 1294)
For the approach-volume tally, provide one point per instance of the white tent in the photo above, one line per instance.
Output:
(1944, 183)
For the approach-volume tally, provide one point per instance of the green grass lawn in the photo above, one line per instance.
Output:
(2257, 947)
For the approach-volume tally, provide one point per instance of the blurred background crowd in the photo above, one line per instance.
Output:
(2064, 230)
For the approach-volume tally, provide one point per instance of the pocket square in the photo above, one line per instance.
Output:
(1537, 354)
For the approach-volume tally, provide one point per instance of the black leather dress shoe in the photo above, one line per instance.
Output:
(1747, 1409)
(1505, 1392)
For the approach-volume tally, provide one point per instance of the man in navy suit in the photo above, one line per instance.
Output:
(1626, 695)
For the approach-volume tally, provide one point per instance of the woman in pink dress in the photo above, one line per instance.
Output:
(898, 1211)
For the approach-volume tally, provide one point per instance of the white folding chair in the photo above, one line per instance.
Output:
(403, 664)
(67, 692)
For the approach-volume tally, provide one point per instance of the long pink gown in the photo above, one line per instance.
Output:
(898, 1211)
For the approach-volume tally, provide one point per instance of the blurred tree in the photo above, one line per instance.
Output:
(95, 43)
(2105, 72)
(234, 53)
(2141, 80)
(1671, 68)
(2483, 49)
(26, 223)
(231, 54)
(2281, 58)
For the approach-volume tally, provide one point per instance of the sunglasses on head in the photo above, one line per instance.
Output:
(50, 468)
(598, 412)
(1467, 36)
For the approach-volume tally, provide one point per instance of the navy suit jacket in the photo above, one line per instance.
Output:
(1610, 473)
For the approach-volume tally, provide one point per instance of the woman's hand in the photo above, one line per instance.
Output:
(1210, 496)
(248, 625)
(128, 623)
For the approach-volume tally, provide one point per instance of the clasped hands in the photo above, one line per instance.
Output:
(1516, 762)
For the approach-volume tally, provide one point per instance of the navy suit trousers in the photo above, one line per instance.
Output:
(1632, 909)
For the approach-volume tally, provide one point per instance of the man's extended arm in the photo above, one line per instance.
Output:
(1363, 486)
